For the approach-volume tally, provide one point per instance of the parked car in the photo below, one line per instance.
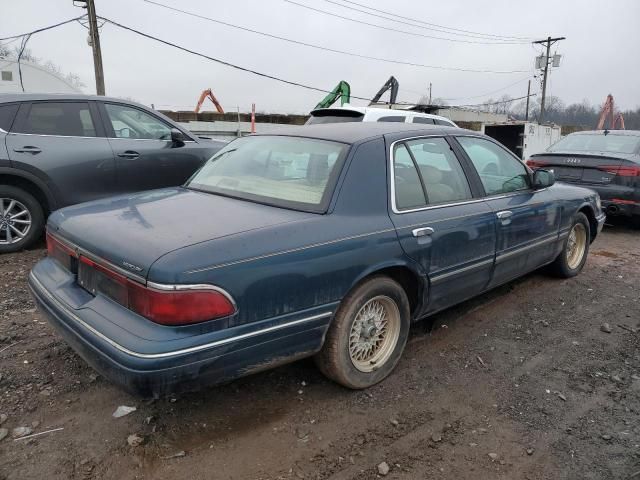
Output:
(350, 113)
(325, 240)
(607, 161)
(58, 150)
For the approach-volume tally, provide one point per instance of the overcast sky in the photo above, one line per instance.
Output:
(599, 55)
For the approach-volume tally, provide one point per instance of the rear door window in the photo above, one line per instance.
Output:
(444, 123)
(407, 185)
(442, 175)
(7, 113)
(68, 119)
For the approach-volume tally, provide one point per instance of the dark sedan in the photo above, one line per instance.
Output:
(325, 240)
(607, 161)
(58, 150)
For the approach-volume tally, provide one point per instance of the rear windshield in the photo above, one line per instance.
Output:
(291, 172)
(334, 116)
(597, 142)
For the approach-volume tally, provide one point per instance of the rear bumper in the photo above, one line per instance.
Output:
(165, 359)
(618, 208)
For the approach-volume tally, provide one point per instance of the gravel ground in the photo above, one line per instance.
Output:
(521, 383)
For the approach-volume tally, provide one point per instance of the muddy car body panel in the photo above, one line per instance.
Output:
(286, 270)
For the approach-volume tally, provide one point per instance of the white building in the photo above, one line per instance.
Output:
(523, 138)
(35, 78)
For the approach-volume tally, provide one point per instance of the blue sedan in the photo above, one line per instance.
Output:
(324, 240)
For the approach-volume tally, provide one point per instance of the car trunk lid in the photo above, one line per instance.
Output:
(132, 232)
(585, 168)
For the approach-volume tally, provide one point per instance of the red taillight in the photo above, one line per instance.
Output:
(181, 305)
(59, 251)
(622, 171)
(531, 163)
(167, 305)
(178, 307)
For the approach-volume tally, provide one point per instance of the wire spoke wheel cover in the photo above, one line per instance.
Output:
(576, 245)
(374, 333)
(15, 221)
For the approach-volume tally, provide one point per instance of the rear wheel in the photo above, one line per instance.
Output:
(576, 248)
(21, 219)
(368, 334)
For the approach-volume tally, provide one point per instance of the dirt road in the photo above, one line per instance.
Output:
(521, 383)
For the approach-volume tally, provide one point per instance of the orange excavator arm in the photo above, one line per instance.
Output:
(607, 111)
(208, 94)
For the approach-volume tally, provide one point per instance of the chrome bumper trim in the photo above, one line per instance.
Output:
(43, 291)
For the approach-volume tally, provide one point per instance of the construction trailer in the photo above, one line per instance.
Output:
(523, 138)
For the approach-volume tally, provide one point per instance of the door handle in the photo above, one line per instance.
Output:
(130, 154)
(505, 216)
(28, 149)
(422, 232)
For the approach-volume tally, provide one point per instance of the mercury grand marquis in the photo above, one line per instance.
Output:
(322, 240)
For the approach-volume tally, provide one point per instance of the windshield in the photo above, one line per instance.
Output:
(291, 172)
(597, 142)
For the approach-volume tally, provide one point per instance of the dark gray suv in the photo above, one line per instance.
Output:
(58, 150)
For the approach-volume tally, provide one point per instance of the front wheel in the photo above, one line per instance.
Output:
(21, 219)
(368, 334)
(575, 250)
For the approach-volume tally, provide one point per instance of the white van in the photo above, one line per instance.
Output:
(348, 113)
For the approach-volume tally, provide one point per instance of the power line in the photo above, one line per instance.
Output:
(415, 34)
(43, 28)
(332, 50)
(497, 103)
(222, 62)
(436, 25)
(492, 92)
(424, 26)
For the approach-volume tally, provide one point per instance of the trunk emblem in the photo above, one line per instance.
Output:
(573, 160)
(131, 266)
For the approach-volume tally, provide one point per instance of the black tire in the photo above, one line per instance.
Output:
(334, 360)
(561, 266)
(35, 213)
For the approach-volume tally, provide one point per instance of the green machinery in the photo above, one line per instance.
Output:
(342, 91)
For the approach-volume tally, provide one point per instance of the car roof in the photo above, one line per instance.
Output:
(382, 111)
(633, 133)
(32, 97)
(352, 132)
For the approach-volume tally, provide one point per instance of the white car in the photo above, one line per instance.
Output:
(348, 113)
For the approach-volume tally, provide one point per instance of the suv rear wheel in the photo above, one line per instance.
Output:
(21, 219)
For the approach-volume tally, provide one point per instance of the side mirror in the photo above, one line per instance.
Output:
(177, 137)
(543, 179)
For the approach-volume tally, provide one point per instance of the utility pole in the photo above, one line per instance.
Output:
(429, 93)
(548, 42)
(94, 37)
(526, 115)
